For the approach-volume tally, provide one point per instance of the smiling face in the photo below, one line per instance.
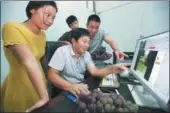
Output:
(81, 45)
(43, 17)
(93, 28)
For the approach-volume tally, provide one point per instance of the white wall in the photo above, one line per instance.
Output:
(66, 8)
(126, 21)
(15, 11)
(103, 6)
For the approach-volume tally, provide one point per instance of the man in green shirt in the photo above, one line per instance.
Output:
(98, 36)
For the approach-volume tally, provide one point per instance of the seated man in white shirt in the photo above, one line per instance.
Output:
(69, 63)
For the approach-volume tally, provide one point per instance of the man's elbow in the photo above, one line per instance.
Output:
(94, 73)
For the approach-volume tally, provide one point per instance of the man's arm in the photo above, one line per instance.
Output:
(64, 42)
(112, 43)
(75, 89)
(117, 68)
(54, 77)
(94, 71)
(115, 47)
(65, 38)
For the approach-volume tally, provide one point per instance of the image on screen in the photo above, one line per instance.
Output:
(151, 64)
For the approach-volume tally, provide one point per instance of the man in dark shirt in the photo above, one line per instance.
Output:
(73, 24)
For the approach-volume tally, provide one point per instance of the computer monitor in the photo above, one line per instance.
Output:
(150, 66)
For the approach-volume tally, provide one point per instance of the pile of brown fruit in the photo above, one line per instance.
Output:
(99, 102)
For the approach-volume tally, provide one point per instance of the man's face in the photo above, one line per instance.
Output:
(93, 28)
(74, 25)
(81, 45)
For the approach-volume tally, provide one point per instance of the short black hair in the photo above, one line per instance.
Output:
(93, 17)
(71, 19)
(38, 4)
(78, 33)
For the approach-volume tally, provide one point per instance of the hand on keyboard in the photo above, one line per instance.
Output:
(125, 73)
(119, 68)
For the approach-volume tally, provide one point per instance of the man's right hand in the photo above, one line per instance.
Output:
(76, 89)
(120, 68)
(120, 55)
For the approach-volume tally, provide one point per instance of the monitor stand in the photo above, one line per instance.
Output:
(142, 97)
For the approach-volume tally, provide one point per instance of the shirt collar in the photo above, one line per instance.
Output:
(73, 53)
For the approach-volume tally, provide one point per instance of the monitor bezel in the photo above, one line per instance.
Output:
(144, 83)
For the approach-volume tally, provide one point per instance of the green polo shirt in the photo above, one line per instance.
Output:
(97, 41)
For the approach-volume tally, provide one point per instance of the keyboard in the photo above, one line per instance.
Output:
(110, 81)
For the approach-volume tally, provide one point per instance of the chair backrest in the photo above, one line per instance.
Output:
(51, 47)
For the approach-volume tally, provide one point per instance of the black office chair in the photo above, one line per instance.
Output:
(51, 47)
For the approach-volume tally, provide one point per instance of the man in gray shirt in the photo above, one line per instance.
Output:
(98, 36)
(69, 63)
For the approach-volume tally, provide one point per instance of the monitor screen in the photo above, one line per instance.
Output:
(151, 64)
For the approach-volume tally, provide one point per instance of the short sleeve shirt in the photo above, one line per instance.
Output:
(97, 41)
(72, 69)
